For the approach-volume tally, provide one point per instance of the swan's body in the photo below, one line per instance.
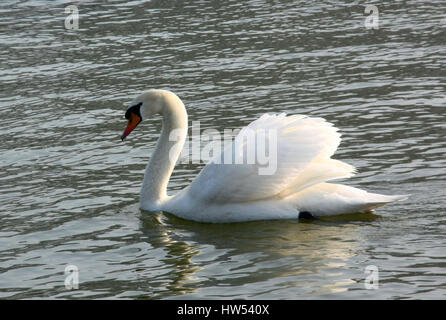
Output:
(237, 192)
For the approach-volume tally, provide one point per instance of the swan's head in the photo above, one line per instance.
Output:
(143, 107)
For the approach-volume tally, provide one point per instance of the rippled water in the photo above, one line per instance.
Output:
(69, 188)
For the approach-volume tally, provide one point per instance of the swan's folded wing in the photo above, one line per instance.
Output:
(274, 156)
(326, 199)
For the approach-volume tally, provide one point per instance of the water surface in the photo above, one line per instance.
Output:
(69, 188)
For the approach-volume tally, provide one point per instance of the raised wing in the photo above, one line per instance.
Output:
(290, 153)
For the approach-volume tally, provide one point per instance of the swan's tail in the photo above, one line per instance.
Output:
(325, 199)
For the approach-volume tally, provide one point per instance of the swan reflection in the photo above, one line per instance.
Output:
(224, 257)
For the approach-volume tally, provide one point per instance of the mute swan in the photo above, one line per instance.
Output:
(237, 192)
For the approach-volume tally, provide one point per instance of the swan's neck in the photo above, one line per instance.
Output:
(167, 151)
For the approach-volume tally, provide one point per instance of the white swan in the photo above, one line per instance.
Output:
(237, 192)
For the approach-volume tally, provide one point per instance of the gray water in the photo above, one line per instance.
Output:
(69, 188)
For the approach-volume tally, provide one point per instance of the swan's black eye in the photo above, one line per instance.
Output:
(136, 109)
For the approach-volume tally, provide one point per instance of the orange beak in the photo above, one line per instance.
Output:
(134, 120)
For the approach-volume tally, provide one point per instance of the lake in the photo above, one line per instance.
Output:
(69, 188)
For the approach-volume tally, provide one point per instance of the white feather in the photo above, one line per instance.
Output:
(304, 147)
(326, 199)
